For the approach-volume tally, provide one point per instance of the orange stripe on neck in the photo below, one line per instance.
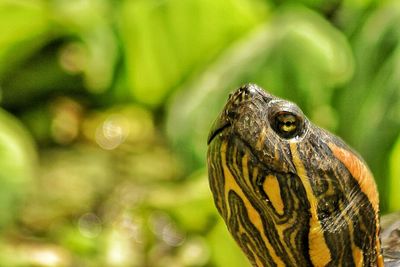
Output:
(360, 172)
(366, 181)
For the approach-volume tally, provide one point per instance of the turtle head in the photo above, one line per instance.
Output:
(291, 193)
(264, 123)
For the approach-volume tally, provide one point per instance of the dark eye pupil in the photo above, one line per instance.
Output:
(287, 125)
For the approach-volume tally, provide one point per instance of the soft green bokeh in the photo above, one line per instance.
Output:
(323, 61)
(17, 166)
(106, 106)
(394, 182)
(165, 41)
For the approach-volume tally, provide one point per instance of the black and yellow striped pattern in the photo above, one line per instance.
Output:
(307, 200)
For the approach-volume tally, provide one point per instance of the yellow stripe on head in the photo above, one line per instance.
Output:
(273, 191)
(254, 216)
(319, 252)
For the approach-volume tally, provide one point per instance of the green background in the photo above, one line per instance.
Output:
(106, 106)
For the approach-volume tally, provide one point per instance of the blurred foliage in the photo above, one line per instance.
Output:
(106, 106)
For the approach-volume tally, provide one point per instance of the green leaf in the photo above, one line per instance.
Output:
(18, 162)
(298, 55)
(394, 178)
(368, 105)
(164, 41)
(24, 27)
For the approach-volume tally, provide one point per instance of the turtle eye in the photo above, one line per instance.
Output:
(287, 124)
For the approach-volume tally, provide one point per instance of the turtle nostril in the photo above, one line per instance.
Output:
(241, 95)
(246, 92)
(230, 113)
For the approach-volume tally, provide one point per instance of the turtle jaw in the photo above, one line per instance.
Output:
(218, 127)
(238, 104)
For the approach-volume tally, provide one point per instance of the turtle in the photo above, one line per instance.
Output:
(292, 193)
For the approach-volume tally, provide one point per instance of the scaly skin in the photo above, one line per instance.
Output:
(291, 193)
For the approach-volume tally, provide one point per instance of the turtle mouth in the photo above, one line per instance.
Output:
(216, 130)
